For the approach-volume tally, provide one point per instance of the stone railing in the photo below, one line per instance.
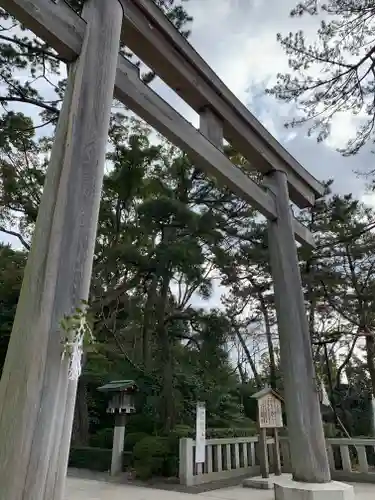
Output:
(225, 458)
(350, 460)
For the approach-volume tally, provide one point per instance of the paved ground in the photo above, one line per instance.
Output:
(84, 489)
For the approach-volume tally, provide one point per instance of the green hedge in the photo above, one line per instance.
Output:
(158, 455)
(96, 459)
(102, 439)
(181, 431)
(150, 455)
(132, 439)
(231, 432)
(155, 456)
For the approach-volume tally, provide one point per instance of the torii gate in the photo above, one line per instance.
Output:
(36, 397)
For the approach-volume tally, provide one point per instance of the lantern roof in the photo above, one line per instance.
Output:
(265, 392)
(119, 386)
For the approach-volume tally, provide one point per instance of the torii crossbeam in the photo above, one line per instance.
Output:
(36, 397)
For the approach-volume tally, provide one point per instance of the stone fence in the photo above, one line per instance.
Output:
(351, 460)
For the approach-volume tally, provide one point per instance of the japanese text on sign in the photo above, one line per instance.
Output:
(269, 412)
(200, 437)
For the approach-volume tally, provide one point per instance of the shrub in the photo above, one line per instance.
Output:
(151, 456)
(132, 439)
(231, 432)
(182, 430)
(158, 456)
(141, 423)
(329, 430)
(95, 459)
(103, 438)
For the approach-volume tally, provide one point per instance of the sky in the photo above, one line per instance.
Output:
(238, 39)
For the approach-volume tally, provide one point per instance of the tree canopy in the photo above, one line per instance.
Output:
(335, 72)
(181, 292)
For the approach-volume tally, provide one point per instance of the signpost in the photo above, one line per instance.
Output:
(200, 434)
(270, 416)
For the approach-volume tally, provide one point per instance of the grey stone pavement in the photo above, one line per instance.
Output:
(87, 489)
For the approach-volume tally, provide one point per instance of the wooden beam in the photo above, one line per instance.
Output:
(211, 126)
(156, 41)
(130, 90)
(58, 25)
(173, 58)
(302, 234)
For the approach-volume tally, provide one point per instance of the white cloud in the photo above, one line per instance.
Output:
(238, 39)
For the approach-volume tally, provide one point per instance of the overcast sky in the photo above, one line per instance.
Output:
(238, 39)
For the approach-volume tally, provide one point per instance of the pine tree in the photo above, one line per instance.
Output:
(335, 73)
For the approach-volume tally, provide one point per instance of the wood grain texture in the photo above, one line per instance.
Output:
(219, 457)
(56, 24)
(345, 458)
(130, 90)
(149, 106)
(209, 465)
(305, 428)
(186, 467)
(263, 454)
(55, 482)
(34, 389)
(362, 459)
(172, 57)
(228, 457)
(211, 126)
(180, 67)
(276, 458)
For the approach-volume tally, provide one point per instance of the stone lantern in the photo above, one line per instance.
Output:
(121, 404)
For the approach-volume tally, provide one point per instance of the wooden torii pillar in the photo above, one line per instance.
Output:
(36, 397)
(305, 429)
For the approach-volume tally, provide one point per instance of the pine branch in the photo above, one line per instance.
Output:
(30, 48)
(28, 100)
(17, 235)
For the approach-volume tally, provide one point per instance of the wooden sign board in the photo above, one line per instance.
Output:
(270, 414)
(200, 433)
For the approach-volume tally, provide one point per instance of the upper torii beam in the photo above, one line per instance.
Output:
(60, 260)
(63, 29)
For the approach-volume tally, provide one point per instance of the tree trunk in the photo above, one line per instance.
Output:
(166, 361)
(271, 351)
(80, 433)
(370, 353)
(258, 380)
(148, 323)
